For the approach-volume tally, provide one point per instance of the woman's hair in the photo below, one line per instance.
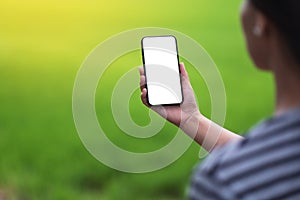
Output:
(285, 15)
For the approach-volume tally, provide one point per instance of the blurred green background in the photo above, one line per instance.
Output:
(43, 44)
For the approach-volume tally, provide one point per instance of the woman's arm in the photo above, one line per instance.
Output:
(188, 117)
(207, 133)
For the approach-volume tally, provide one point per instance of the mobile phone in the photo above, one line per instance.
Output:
(162, 71)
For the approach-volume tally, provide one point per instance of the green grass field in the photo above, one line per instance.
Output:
(43, 44)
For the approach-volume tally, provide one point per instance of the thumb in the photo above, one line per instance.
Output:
(183, 71)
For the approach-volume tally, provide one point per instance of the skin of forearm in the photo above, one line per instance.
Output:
(207, 133)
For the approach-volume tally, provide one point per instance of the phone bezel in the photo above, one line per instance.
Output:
(145, 71)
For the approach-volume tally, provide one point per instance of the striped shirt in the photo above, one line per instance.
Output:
(263, 166)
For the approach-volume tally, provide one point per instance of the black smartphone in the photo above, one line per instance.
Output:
(162, 70)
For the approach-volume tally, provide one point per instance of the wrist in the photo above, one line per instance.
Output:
(191, 123)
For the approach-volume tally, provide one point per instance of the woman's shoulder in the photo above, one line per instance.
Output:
(259, 158)
(271, 135)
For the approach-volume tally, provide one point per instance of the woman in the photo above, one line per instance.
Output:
(266, 163)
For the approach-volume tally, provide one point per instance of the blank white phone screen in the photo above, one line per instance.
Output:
(162, 70)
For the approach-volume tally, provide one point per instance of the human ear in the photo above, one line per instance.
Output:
(260, 27)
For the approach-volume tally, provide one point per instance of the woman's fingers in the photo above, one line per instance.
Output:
(184, 78)
(143, 86)
(142, 82)
(144, 97)
(142, 78)
(141, 70)
(183, 71)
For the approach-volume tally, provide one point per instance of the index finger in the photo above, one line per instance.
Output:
(141, 69)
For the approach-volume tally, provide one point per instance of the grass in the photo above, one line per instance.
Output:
(42, 46)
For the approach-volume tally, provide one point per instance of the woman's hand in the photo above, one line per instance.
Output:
(180, 114)
(188, 117)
